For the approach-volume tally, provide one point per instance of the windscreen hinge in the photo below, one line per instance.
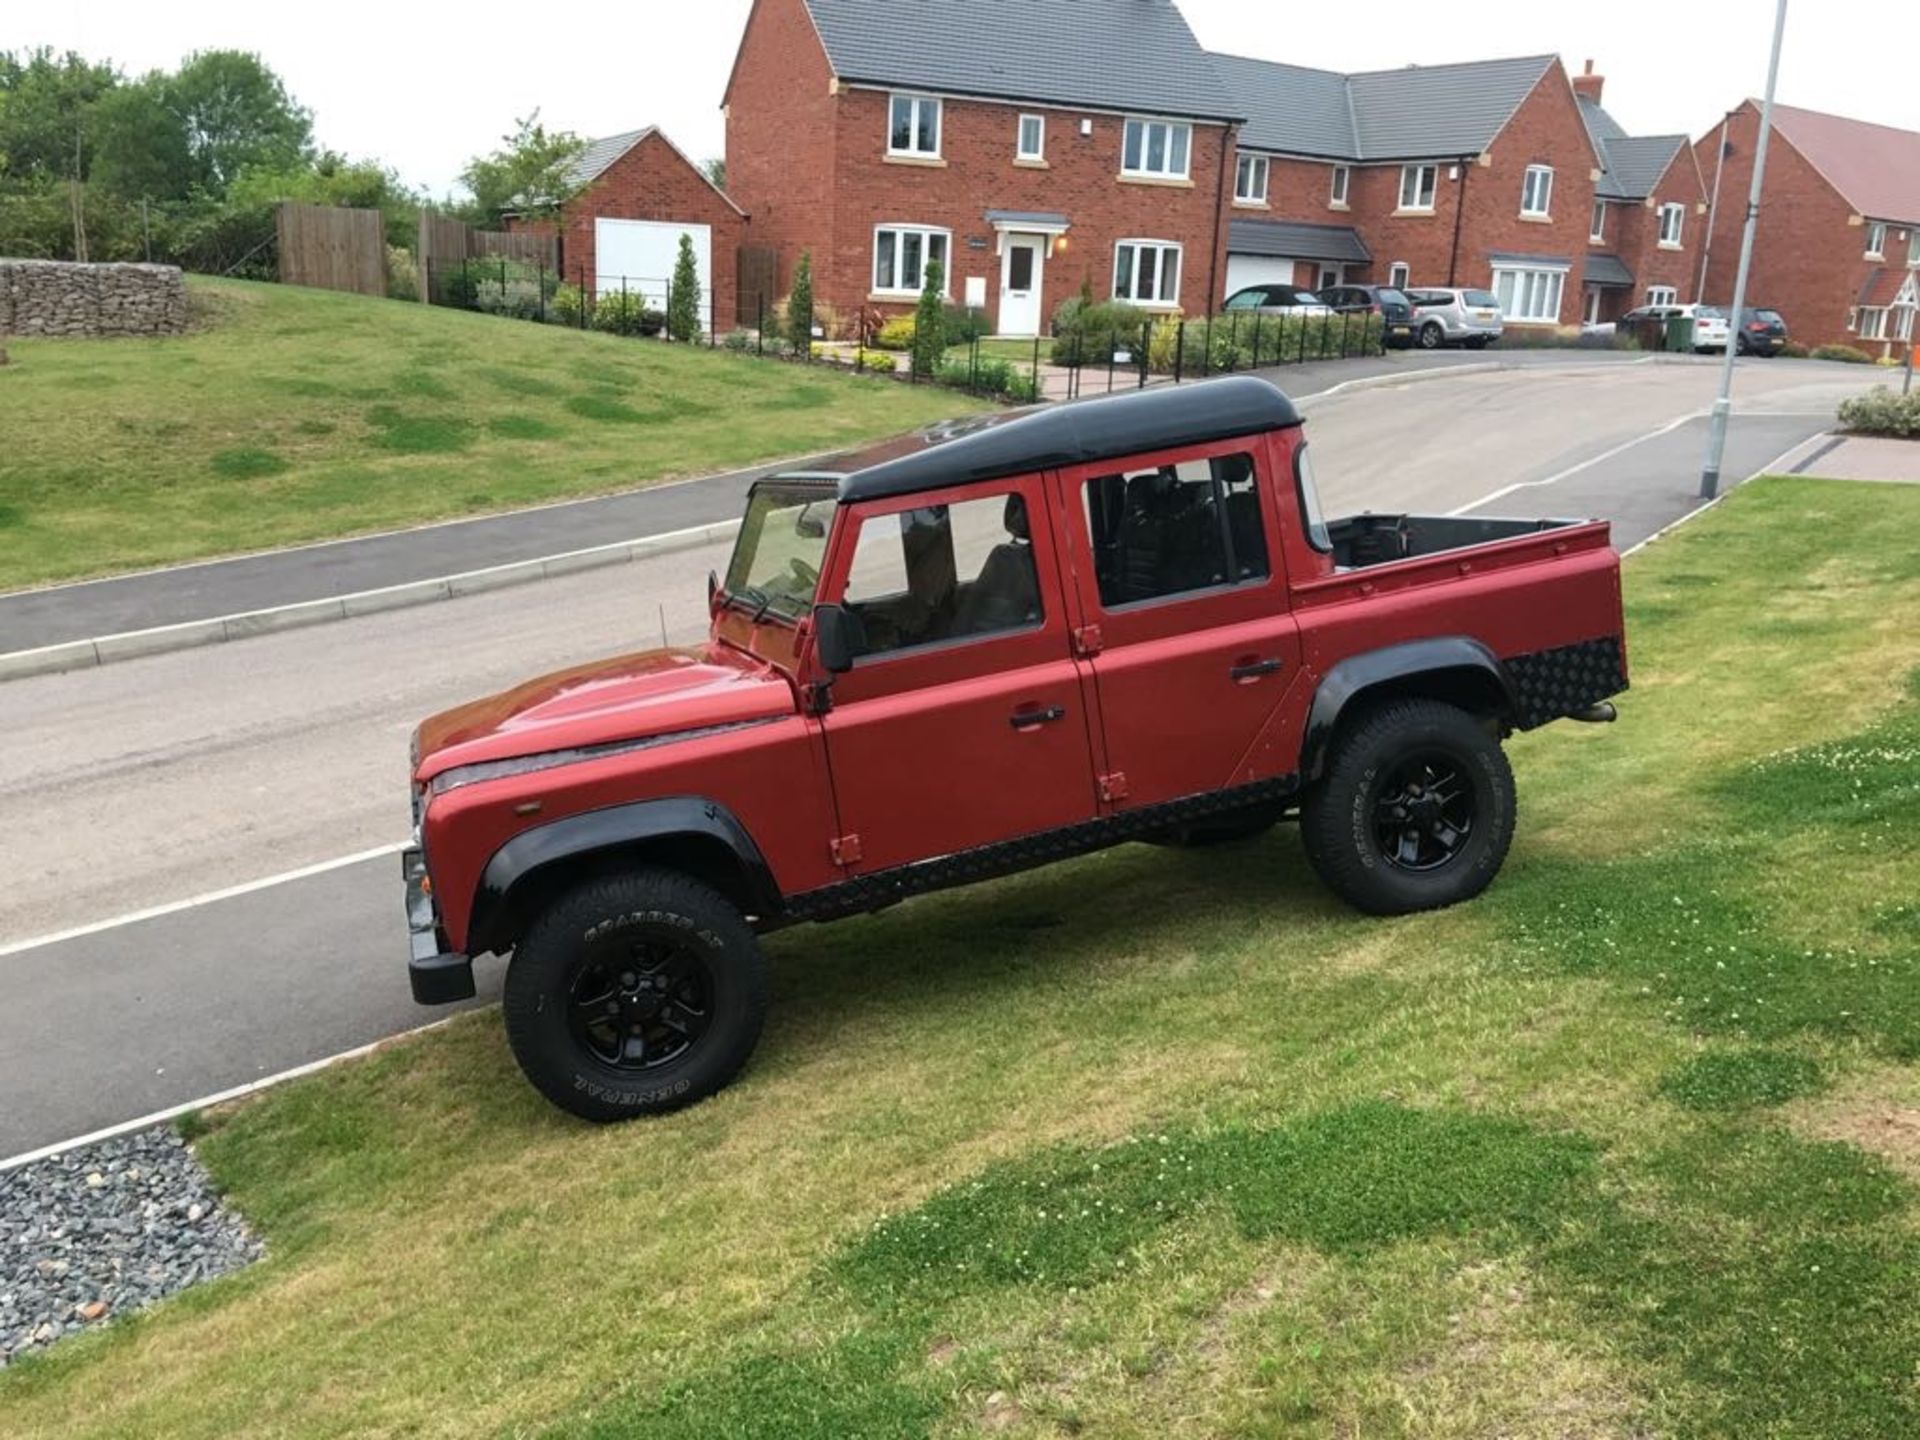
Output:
(1113, 786)
(1086, 641)
(845, 849)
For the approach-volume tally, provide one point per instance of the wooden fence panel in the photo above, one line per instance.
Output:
(445, 242)
(757, 284)
(332, 248)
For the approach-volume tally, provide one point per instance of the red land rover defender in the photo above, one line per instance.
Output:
(1005, 641)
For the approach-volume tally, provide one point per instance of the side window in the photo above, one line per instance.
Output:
(1179, 528)
(943, 572)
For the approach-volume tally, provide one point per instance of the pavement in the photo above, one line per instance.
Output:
(247, 584)
(1864, 457)
(200, 845)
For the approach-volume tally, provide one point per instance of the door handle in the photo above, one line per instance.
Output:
(1032, 719)
(1254, 669)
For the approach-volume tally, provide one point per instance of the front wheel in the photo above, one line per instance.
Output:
(1415, 810)
(1432, 337)
(634, 995)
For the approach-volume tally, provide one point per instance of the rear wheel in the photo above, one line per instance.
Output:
(1415, 810)
(634, 995)
(1432, 337)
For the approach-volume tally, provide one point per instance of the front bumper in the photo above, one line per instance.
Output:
(439, 976)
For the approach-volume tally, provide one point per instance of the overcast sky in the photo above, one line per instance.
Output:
(423, 87)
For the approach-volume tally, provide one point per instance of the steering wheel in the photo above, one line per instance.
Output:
(805, 574)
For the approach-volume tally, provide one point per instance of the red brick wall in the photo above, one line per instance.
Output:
(1633, 233)
(978, 173)
(1808, 260)
(653, 182)
(780, 135)
(1546, 129)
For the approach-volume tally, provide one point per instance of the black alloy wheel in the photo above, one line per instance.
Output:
(1423, 812)
(642, 1005)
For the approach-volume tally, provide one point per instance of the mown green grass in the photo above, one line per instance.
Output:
(1169, 1144)
(290, 415)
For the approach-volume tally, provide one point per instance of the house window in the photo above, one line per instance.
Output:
(1157, 148)
(1662, 295)
(1399, 276)
(1873, 322)
(1147, 272)
(1527, 296)
(1031, 142)
(1913, 248)
(1672, 217)
(1250, 180)
(1877, 240)
(1338, 197)
(900, 256)
(1417, 185)
(1536, 191)
(1598, 232)
(915, 126)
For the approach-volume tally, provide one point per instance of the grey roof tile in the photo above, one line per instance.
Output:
(1293, 240)
(1630, 165)
(1290, 108)
(1509, 257)
(1607, 270)
(1108, 54)
(1025, 217)
(599, 154)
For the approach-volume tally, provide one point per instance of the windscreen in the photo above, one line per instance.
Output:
(783, 540)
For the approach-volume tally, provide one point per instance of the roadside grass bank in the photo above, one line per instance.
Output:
(291, 415)
(1167, 1143)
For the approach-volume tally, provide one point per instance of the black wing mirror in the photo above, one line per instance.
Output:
(837, 637)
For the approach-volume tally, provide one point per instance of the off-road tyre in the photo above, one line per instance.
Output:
(688, 954)
(1432, 336)
(1375, 763)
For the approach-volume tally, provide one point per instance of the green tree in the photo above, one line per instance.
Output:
(234, 112)
(716, 171)
(530, 174)
(141, 144)
(930, 322)
(46, 107)
(800, 306)
(683, 298)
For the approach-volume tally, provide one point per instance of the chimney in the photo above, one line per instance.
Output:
(1587, 85)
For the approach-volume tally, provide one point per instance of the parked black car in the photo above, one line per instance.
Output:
(1277, 300)
(1392, 306)
(1762, 332)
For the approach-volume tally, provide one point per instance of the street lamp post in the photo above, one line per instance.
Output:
(1723, 403)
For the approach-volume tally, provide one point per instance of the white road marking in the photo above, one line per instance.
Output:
(174, 1112)
(193, 902)
(1587, 464)
(1769, 468)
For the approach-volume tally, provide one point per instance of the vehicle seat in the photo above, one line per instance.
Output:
(1007, 591)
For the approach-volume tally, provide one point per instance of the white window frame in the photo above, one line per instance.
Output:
(1147, 125)
(917, 102)
(1528, 293)
(1872, 322)
(1250, 165)
(1913, 248)
(1020, 150)
(1673, 211)
(1162, 247)
(1399, 275)
(898, 229)
(1432, 188)
(1338, 186)
(1876, 240)
(1663, 295)
(1537, 207)
(1597, 228)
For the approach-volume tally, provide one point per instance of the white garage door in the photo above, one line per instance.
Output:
(1245, 270)
(638, 256)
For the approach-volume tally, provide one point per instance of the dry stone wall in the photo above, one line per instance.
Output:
(58, 297)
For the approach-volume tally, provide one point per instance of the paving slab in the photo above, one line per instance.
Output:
(1865, 457)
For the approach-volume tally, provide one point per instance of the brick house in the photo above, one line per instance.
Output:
(633, 196)
(1505, 174)
(1837, 246)
(1029, 149)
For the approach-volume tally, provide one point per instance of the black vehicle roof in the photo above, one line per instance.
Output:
(1018, 442)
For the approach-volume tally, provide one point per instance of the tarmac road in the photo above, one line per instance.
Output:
(281, 759)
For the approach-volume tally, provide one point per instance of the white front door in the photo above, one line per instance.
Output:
(1022, 259)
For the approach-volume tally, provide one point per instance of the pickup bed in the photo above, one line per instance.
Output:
(994, 644)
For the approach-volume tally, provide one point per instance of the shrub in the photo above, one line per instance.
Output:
(964, 325)
(1793, 350)
(799, 307)
(624, 312)
(403, 275)
(1881, 412)
(1243, 342)
(565, 306)
(896, 334)
(1090, 334)
(989, 377)
(878, 361)
(1846, 354)
(683, 295)
(739, 339)
(929, 328)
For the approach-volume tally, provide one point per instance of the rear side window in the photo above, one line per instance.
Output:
(1390, 296)
(943, 572)
(1176, 529)
(1484, 298)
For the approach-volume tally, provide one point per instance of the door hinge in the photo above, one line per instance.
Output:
(1086, 641)
(1113, 786)
(845, 849)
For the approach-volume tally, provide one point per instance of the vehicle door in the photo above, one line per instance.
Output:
(1183, 616)
(961, 721)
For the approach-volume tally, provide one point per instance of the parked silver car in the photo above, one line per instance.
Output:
(1455, 317)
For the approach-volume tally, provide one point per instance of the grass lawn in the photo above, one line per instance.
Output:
(1167, 1143)
(292, 415)
(1014, 352)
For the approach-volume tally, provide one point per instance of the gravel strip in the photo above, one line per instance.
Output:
(105, 1230)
